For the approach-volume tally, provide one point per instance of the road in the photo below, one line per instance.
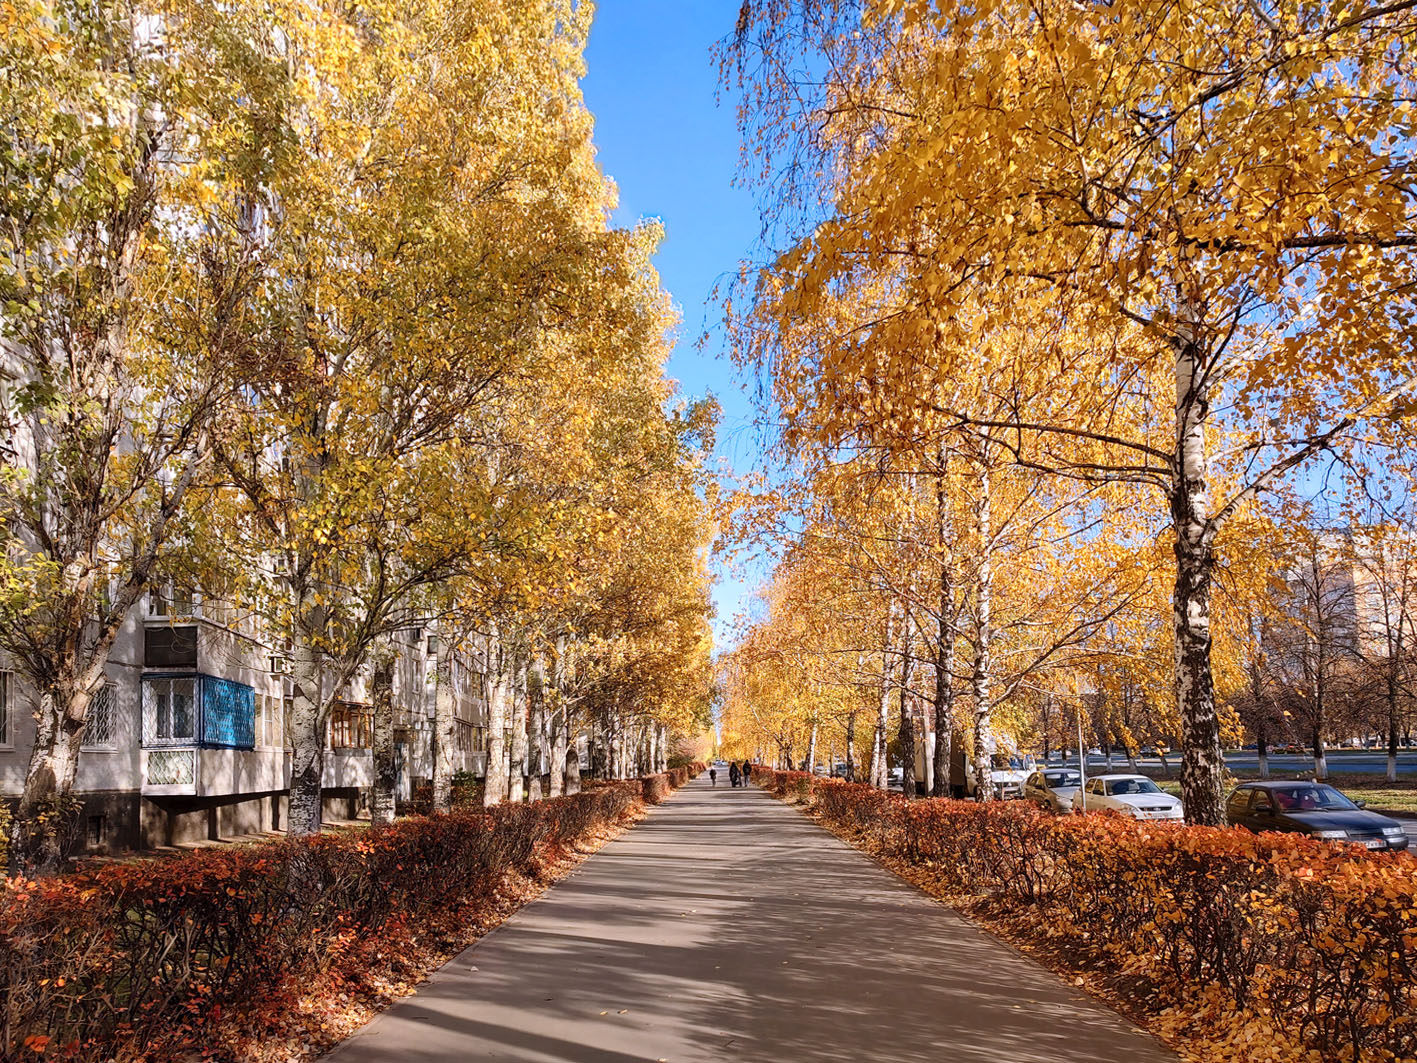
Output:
(1358, 761)
(727, 926)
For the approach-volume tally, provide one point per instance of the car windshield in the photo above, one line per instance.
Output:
(1132, 786)
(1312, 797)
(1063, 778)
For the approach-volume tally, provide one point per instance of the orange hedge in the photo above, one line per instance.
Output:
(1314, 938)
(134, 960)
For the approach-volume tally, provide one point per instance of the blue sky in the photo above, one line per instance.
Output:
(673, 152)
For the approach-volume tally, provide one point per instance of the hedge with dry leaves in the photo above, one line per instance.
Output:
(135, 960)
(1309, 937)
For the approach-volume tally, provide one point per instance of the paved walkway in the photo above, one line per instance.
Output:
(727, 926)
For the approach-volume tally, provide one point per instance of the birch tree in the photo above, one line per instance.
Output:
(1199, 216)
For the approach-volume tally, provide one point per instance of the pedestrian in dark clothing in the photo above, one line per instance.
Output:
(733, 773)
(747, 772)
(713, 776)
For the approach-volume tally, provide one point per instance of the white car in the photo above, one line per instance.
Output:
(1053, 788)
(1131, 795)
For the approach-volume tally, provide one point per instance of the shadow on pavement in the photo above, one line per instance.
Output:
(727, 926)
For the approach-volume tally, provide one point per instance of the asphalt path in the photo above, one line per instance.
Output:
(727, 926)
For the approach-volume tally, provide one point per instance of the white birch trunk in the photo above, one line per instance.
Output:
(539, 753)
(445, 729)
(381, 800)
(1202, 766)
(516, 782)
(980, 676)
(880, 771)
(498, 696)
(309, 719)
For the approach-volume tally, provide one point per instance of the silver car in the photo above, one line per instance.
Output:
(1053, 788)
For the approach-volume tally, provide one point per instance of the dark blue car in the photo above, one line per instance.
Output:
(1315, 809)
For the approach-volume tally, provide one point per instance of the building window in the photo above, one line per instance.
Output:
(171, 600)
(170, 647)
(466, 737)
(6, 685)
(169, 711)
(268, 729)
(100, 732)
(198, 710)
(351, 726)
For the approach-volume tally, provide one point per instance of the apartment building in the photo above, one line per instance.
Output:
(187, 739)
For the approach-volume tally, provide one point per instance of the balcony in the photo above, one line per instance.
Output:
(170, 772)
(193, 772)
(201, 711)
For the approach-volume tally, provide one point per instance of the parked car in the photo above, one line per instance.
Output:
(839, 771)
(1312, 808)
(1131, 795)
(1053, 788)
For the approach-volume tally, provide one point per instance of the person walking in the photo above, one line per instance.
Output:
(733, 773)
(747, 771)
(713, 776)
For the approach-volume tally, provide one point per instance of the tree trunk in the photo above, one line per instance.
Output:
(540, 753)
(907, 723)
(309, 720)
(573, 772)
(1202, 766)
(944, 644)
(851, 746)
(516, 788)
(43, 824)
(445, 728)
(944, 702)
(1392, 710)
(381, 801)
(880, 771)
(812, 747)
(557, 723)
(983, 605)
(600, 747)
(1320, 757)
(498, 694)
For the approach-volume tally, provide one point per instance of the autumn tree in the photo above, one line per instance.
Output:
(1197, 216)
(125, 175)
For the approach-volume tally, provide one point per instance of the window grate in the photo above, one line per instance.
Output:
(169, 710)
(100, 731)
(172, 767)
(198, 709)
(6, 738)
(228, 714)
